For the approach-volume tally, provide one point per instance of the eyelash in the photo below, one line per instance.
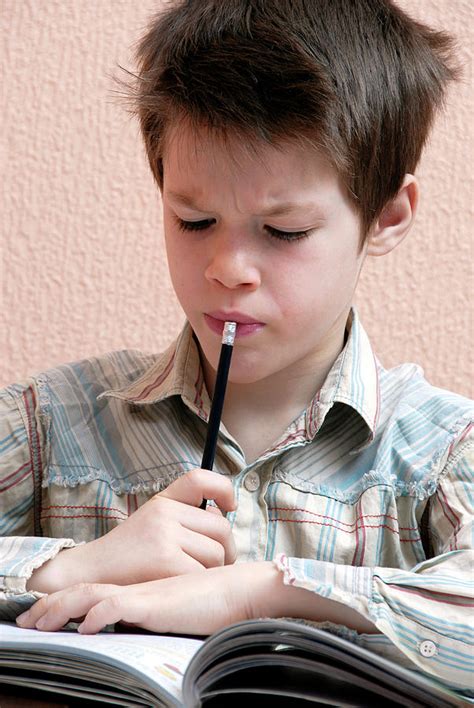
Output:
(274, 233)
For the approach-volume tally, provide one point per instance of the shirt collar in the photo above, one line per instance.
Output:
(177, 372)
(352, 380)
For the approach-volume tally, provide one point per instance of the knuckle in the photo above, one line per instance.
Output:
(175, 489)
(81, 587)
(169, 562)
(232, 554)
(220, 556)
(41, 605)
(166, 557)
(108, 605)
(216, 555)
(195, 477)
(114, 602)
(59, 605)
(169, 491)
(223, 526)
(87, 589)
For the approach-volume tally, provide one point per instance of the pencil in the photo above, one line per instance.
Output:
(228, 337)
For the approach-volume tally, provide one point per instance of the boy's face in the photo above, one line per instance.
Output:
(233, 230)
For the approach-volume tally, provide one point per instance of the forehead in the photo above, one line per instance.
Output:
(198, 160)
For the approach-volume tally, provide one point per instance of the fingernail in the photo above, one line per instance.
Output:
(23, 618)
(40, 623)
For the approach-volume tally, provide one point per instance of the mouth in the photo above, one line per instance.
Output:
(245, 325)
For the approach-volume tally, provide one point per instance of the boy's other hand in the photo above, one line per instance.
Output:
(199, 603)
(169, 535)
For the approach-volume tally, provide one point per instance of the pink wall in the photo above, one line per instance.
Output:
(82, 261)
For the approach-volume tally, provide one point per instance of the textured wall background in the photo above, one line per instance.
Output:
(82, 261)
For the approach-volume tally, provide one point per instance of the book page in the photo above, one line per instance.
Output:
(159, 660)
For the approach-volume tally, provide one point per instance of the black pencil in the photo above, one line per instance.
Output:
(228, 337)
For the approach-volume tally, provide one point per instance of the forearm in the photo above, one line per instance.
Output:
(270, 597)
(424, 612)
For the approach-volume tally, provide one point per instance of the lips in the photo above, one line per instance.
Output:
(245, 325)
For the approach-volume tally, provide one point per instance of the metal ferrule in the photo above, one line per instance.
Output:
(228, 335)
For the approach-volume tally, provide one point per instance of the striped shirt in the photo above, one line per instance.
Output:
(365, 499)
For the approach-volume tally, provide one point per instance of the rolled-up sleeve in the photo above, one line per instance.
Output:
(425, 612)
(23, 445)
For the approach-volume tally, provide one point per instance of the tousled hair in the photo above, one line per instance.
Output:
(358, 79)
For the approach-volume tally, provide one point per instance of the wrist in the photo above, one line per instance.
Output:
(65, 569)
(267, 596)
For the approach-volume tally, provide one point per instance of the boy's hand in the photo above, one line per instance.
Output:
(169, 535)
(199, 603)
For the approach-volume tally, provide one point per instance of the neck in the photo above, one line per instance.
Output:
(256, 414)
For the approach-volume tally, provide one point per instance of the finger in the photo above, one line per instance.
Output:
(71, 604)
(28, 619)
(209, 540)
(192, 487)
(123, 607)
(211, 526)
(203, 549)
(214, 510)
(183, 564)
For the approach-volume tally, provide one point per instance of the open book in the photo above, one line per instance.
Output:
(263, 662)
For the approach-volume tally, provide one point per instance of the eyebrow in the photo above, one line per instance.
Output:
(277, 210)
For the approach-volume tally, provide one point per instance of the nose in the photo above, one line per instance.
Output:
(233, 261)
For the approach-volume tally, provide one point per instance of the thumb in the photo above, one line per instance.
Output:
(198, 484)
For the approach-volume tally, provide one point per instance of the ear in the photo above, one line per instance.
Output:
(395, 219)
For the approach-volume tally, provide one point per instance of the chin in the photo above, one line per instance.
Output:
(244, 379)
(246, 374)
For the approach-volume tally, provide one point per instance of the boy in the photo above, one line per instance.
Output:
(283, 136)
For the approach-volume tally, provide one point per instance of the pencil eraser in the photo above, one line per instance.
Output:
(228, 335)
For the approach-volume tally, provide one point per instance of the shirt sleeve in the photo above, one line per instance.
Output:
(426, 612)
(22, 459)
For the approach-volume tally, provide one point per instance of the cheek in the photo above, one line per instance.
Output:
(315, 284)
(178, 252)
(297, 280)
(178, 270)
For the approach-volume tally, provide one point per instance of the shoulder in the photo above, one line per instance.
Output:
(58, 418)
(405, 395)
(422, 428)
(97, 374)
(77, 383)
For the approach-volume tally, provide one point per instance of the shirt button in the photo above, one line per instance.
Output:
(251, 481)
(428, 648)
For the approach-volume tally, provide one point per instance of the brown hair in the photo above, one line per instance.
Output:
(358, 79)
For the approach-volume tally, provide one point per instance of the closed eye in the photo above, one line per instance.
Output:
(274, 233)
(195, 225)
(287, 235)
